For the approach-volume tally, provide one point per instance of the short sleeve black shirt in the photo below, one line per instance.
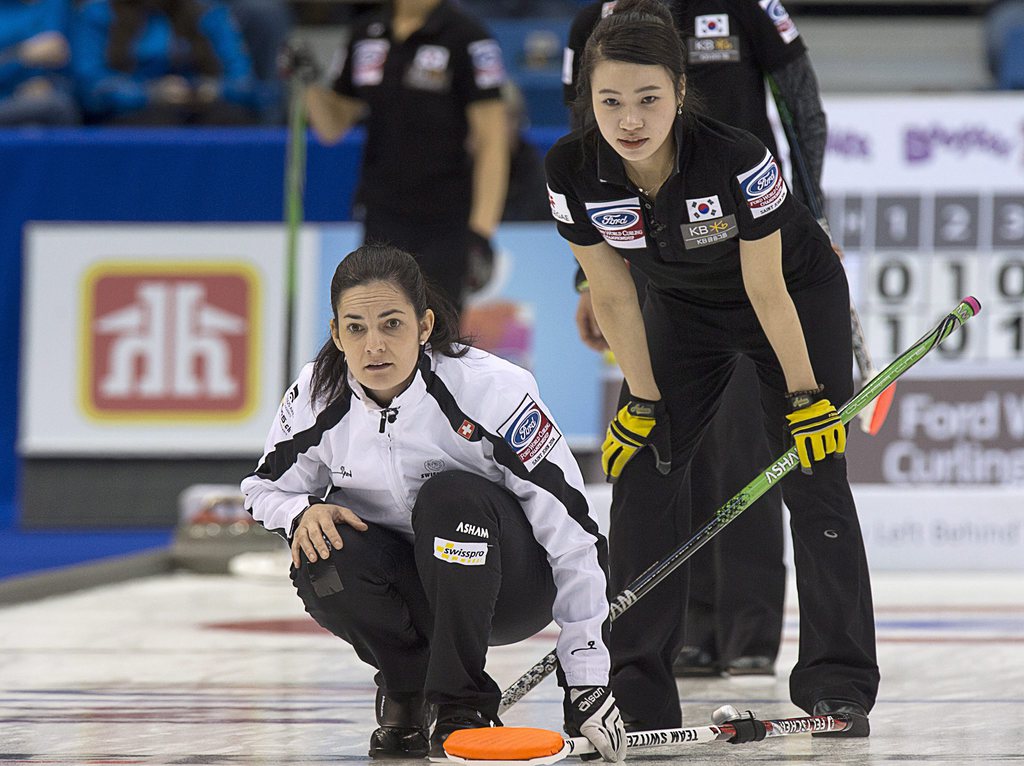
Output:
(730, 46)
(415, 163)
(727, 186)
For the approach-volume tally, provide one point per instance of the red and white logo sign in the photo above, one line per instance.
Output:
(466, 430)
(169, 340)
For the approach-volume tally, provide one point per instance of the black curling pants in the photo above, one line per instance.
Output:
(424, 613)
(725, 615)
(693, 352)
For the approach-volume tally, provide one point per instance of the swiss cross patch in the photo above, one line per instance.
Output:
(530, 432)
(466, 430)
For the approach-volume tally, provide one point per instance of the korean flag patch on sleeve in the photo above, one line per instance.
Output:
(530, 433)
(763, 186)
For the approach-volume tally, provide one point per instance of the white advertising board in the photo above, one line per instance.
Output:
(151, 340)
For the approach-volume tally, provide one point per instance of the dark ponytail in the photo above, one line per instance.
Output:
(384, 263)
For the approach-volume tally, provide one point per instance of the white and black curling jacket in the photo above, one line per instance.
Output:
(477, 413)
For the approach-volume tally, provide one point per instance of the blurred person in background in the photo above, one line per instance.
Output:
(265, 26)
(427, 78)
(527, 198)
(731, 46)
(163, 62)
(34, 53)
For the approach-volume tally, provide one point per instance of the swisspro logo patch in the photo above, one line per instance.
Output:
(763, 187)
(467, 554)
(530, 432)
(619, 222)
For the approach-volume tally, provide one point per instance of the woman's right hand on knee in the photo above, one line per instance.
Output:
(317, 531)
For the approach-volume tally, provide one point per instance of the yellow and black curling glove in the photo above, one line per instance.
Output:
(640, 423)
(816, 428)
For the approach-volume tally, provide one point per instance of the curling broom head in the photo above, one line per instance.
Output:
(505, 744)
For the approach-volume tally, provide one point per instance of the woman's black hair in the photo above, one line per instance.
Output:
(637, 32)
(384, 263)
(129, 19)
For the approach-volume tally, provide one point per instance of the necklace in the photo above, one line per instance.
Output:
(650, 191)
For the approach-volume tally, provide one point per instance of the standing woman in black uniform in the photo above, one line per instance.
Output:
(732, 46)
(737, 268)
(428, 78)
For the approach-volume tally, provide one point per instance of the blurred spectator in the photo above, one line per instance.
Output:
(265, 27)
(33, 59)
(527, 198)
(1004, 43)
(162, 62)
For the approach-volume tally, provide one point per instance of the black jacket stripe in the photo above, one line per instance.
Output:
(546, 475)
(286, 453)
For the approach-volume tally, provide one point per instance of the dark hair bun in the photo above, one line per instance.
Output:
(645, 8)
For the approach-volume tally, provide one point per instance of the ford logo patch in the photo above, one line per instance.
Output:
(762, 181)
(524, 429)
(615, 219)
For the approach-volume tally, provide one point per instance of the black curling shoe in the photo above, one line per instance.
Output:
(452, 718)
(404, 726)
(859, 726)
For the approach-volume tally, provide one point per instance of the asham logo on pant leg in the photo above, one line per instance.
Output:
(169, 340)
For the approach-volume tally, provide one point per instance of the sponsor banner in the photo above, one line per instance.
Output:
(924, 144)
(947, 529)
(946, 433)
(151, 340)
(979, 528)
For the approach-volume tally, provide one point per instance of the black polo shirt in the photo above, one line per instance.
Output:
(415, 163)
(730, 46)
(726, 186)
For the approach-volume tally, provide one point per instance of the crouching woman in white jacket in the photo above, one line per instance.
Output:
(433, 508)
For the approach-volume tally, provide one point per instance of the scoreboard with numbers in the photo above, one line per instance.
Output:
(915, 257)
(926, 198)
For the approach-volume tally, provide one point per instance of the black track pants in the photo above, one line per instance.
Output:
(738, 580)
(425, 621)
(694, 352)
